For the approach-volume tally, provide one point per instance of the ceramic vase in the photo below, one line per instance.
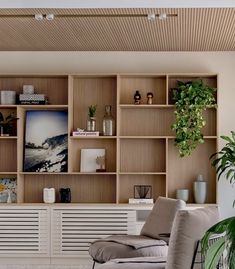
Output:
(182, 194)
(8, 97)
(49, 195)
(200, 190)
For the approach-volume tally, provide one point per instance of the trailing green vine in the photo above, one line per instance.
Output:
(191, 99)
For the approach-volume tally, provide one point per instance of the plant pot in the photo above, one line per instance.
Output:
(91, 124)
(4, 131)
(182, 194)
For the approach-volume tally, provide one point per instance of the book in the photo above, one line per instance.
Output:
(140, 201)
(76, 133)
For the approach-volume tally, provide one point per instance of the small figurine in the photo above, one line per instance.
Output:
(100, 160)
(149, 98)
(137, 98)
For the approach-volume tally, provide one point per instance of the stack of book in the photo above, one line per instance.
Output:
(140, 201)
(84, 133)
(32, 99)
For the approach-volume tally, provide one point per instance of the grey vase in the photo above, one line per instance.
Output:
(200, 190)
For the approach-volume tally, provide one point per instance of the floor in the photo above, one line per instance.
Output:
(45, 266)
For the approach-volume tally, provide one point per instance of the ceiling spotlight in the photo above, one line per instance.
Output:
(38, 17)
(163, 16)
(50, 17)
(151, 17)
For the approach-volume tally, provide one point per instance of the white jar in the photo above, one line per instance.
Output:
(8, 97)
(49, 195)
(182, 194)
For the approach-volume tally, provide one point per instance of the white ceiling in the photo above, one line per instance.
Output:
(116, 3)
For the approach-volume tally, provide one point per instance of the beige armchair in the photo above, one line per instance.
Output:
(153, 240)
(188, 228)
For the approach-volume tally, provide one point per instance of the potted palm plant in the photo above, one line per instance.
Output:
(7, 124)
(91, 122)
(224, 161)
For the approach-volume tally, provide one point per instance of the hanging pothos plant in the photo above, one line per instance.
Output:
(191, 99)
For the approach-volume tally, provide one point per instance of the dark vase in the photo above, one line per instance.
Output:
(65, 195)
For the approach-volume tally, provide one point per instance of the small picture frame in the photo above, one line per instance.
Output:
(142, 191)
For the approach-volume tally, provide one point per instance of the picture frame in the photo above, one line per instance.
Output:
(142, 191)
(46, 141)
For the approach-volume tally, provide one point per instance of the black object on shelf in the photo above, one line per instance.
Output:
(65, 195)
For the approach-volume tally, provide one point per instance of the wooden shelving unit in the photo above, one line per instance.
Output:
(142, 150)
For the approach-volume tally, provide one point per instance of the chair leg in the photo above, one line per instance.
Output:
(93, 266)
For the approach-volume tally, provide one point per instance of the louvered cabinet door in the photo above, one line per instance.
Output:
(24, 232)
(73, 230)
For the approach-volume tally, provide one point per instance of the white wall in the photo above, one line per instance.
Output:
(75, 62)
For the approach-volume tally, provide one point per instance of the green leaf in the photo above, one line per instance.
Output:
(227, 138)
(226, 226)
(214, 253)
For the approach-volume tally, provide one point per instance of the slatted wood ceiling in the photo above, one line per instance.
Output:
(207, 29)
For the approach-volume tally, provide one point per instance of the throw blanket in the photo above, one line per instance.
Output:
(135, 241)
(141, 260)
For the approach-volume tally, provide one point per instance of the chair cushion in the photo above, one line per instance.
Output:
(161, 217)
(134, 263)
(189, 227)
(103, 251)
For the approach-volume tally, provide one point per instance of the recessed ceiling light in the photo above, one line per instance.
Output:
(163, 16)
(50, 17)
(38, 17)
(151, 17)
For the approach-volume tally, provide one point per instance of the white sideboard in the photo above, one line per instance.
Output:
(62, 233)
(59, 234)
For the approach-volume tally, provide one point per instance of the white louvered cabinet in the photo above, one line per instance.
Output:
(24, 232)
(73, 230)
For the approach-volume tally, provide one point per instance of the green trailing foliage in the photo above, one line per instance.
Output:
(191, 98)
(214, 252)
(92, 110)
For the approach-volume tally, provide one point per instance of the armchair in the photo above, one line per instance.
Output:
(152, 240)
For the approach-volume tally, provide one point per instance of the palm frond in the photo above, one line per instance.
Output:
(213, 253)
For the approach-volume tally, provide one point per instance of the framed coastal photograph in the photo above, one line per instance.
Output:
(46, 141)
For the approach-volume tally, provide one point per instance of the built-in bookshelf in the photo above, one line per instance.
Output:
(142, 151)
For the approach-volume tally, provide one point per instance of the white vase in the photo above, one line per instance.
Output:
(8, 97)
(182, 194)
(200, 190)
(49, 195)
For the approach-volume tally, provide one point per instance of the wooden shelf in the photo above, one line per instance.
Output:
(142, 151)
(143, 137)
(93, 137)
(205, 137)
(43, 173)
(92, 173)
(8, 173)
(8, 137)
(8, 106)
(142, 173)
(145, 106)
(43, 107)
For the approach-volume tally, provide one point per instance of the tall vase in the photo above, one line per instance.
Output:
(108, 122)
(200, 190)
